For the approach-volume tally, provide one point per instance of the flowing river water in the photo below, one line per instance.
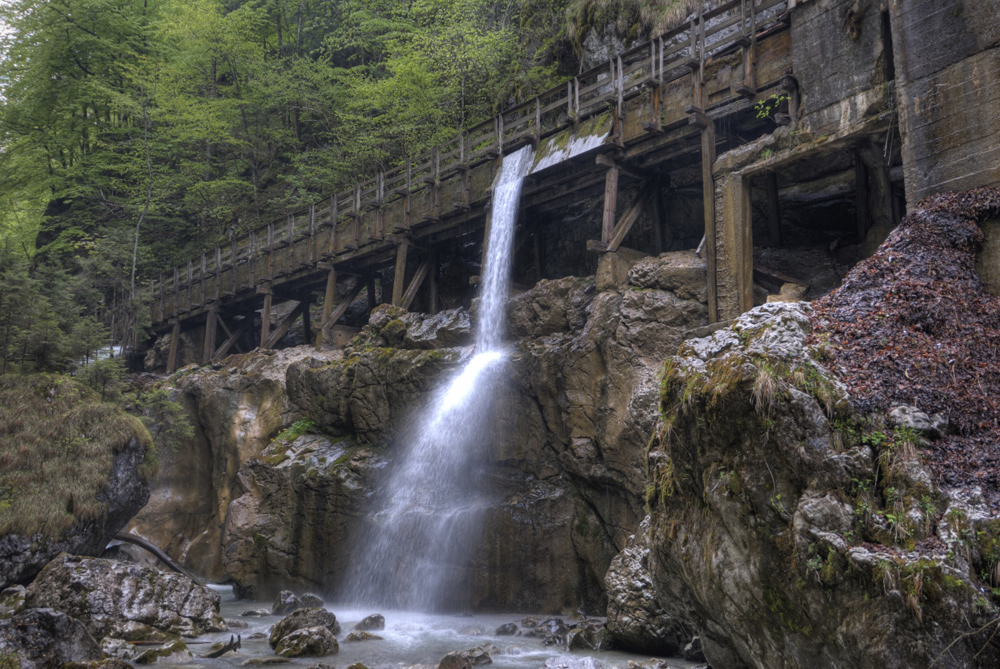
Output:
(409, 639)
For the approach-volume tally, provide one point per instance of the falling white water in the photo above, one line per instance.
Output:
(416, 548)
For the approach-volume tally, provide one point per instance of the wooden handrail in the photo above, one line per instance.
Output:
(659, 60)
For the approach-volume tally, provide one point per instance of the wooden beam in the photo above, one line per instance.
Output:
(234, 336)
(773, 208)
(284, 325)
(432, 277)
(328, 296)
(400, 275)
(342, 307)
(631, 216)
(175, 335)
(708, 195)
(411, 290)
(306, 318)
(265, 317)
(610, 203)
(211, 326)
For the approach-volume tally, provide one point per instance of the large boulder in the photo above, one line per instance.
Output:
(302, 619)
(43, 638)
(308, 641)
(680, 272)
(83, 468)
(787, 530)
(636, 620)
(125, 600)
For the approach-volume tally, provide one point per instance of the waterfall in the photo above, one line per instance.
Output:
(416, 547)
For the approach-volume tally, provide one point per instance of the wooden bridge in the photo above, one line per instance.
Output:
(653, 106)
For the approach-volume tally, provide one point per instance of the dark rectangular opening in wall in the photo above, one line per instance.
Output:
(890, 64)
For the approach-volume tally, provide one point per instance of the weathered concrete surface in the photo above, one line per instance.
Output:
(948, 79)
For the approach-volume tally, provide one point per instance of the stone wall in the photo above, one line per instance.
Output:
(947, 55)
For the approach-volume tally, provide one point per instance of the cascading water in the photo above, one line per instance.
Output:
(415, 548)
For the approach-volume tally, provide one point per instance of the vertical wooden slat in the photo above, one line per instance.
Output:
(400, 275)
(328, 296)
(217, 289)
(175, 335)
(708, 196)
(201, 282)
(610, 204)
(312, 233)
(334, 214)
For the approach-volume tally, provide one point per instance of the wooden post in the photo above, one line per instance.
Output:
(211, 325)
(433, 287)
(400, 275)
(201, 282)
(328, 295)
(372, 302)
(265, 315)
(861, 196)
(773, 209)
(307, 318)
(175, 335)
(610, 203)
(708, 194)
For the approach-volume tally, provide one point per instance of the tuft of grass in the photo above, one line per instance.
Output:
(58, 442)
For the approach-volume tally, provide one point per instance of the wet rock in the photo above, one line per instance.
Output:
(912, 418)
(308, 641)
(551, 306)
(256, 613)
(286, 602)
(375, 621)
(362, 636)
(119, 648)
(680, 272)
(322, 666)
(579, 639)
(529, 622)
(257, 635)
(571, 662)
(636, 621)
(44, 638)
(357, 665)
(12, 600)
(300, 619)
(236, 410)
(507, 629)
(693, 652)
(106, 663)
(174, 650)
(311, 601)
(444, 329)
(126, 600)
(265, 661)
(236, 624)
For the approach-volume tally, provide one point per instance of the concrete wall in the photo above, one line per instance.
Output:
(947, 55)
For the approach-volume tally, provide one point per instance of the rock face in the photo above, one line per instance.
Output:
(235, 410)
(788, 530)
(636, 621)
(579, 404)
(43, 638)
(124, 600)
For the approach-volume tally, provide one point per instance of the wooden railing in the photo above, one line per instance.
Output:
(662, 60)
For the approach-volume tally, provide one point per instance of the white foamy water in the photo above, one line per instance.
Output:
(416, 545)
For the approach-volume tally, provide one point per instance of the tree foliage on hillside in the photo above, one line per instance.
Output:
(134, 133)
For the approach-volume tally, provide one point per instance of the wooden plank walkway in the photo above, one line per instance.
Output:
(654, 102)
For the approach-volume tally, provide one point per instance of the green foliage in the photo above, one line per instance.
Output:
(137, 133)
(767, 107)
(58, 442)
(295, 430)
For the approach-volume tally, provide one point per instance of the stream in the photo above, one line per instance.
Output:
(410, 639)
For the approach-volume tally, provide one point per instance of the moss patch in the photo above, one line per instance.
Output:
(57, 446)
